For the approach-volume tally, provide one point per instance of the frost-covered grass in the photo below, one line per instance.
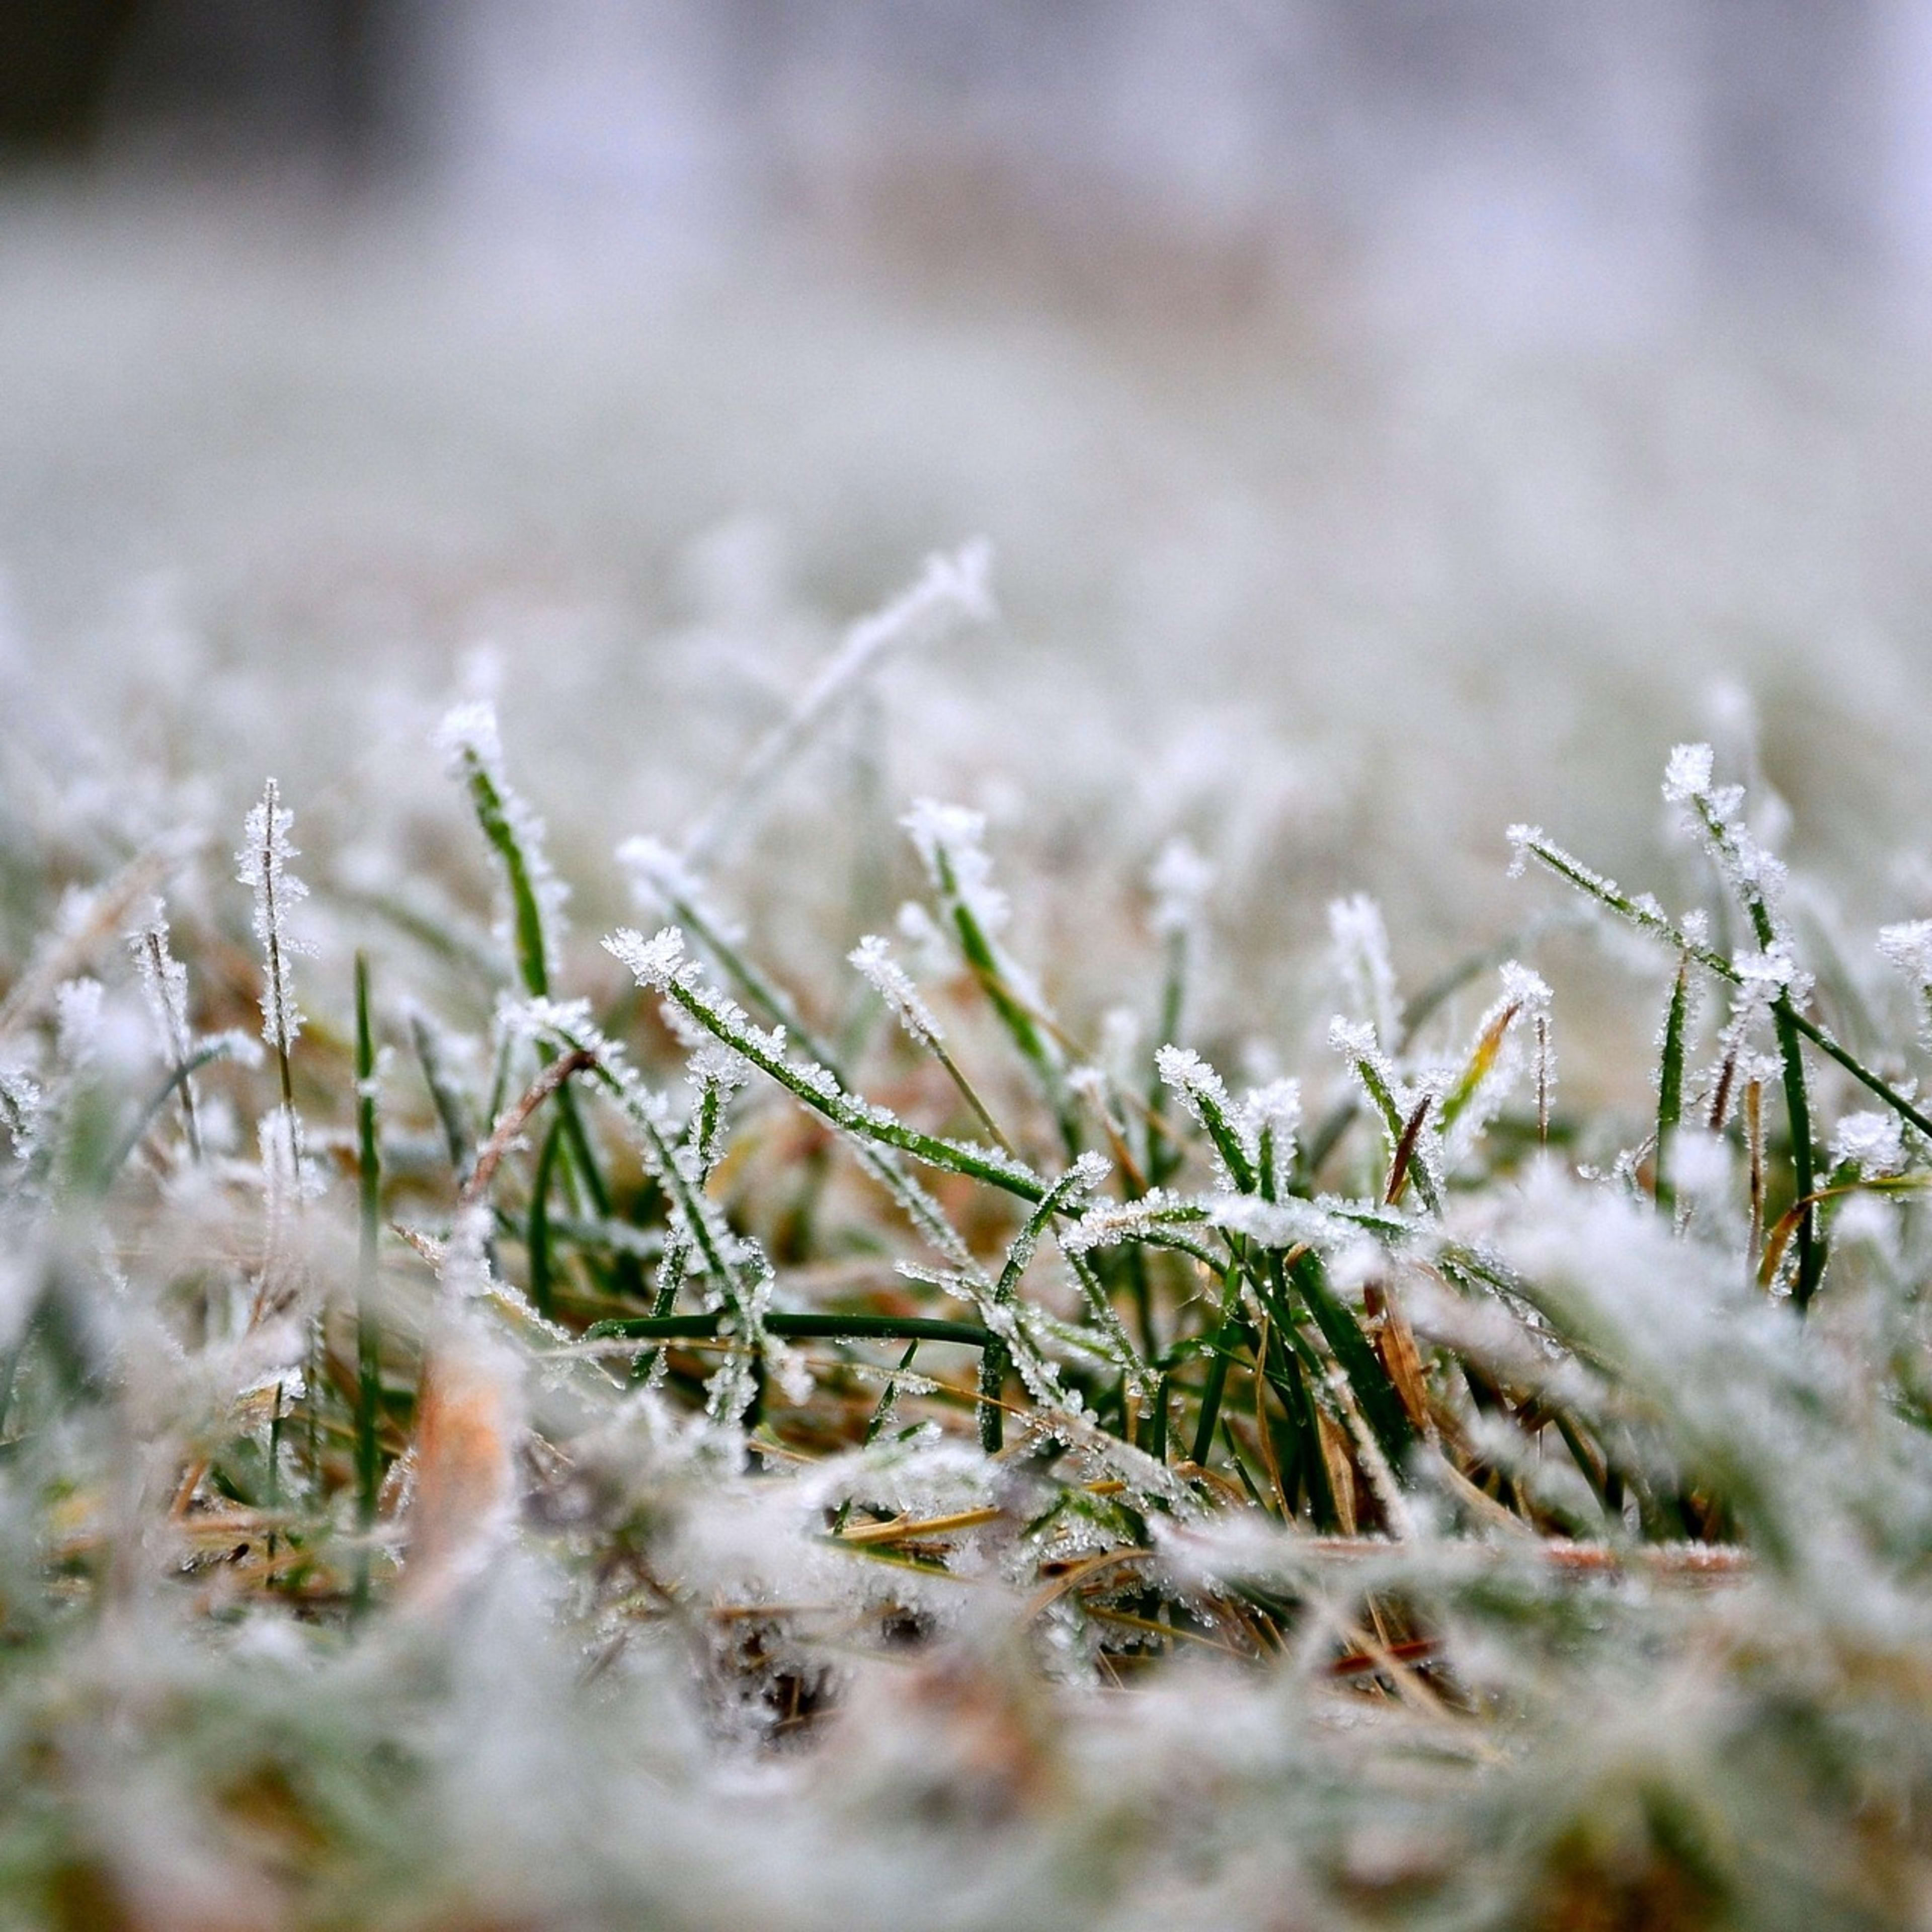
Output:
(897, 1410)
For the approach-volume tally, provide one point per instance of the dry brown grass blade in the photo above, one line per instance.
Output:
(1341, 1468)
(468, 1426)
(902, 1528)
(513, 1120)
(1077, 1574)
(1395, 1343)
(1405, 1151)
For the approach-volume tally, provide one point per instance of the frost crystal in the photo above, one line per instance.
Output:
(1773, 971)
(1199, 1088)
(873, 957)
(655, 962)
(1716, 814)
(1117, 1221)
(950, 839)
(263, 859)
(1909, 947)
(1180, 879)
(919, 930)
(471, 748)
(950, 590)
(163, 983)
(1523, 840)
(468, 734)
(1686, 774)
(77, 1021)
(1362, 966)
(1272, 1113)
(1872, 1143)
(21, 1106)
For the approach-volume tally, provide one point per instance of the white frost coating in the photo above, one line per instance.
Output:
(1159, 1212)
(920, 931)
(1180, 879)
(742, 1279)
(655, 962)
(262, 860)
(1686, 774)
(1363, 968)
(657, 874)
(956, 834)
(1090, 1170)
(1874, 1143)
(1191, 1078)
(163, 983)
(1715, 813)
(1526, 986)
(1908, 946)
(1773, 971)
(470, 743)
(873, 958)
(1203, 1093)
(22, 1105)
(288, 1176)
(1523, 840)
(464, 1274)
(1525, 998)
(1272, 1113)
(77, 1022)
(1351, 1037)
(469, 734)
(1283, 1224)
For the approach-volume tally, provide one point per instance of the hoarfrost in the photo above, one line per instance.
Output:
(262, 860)
(1359, 942)
(470, 744)
(950, 840)
(1872, 1143)
(873, 958)
(1908, 946)
(1180, 879)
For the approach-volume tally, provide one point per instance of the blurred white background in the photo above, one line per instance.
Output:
(1394, 417)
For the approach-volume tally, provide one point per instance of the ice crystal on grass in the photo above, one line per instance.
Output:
(1715, 813)
(1872, 1143)
(77, 1019)
(951, 841)
(1180, 879)
(263, 860)
(22, 1105)
(1909, 946)
(1359, 940)
(163, 983)
(533, 920)
(873, 958)
(654, 962)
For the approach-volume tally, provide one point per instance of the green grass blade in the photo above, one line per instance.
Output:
(537, 1236)
(1670, 1085)
(1382, 1406)
(795, 1326)
(368, 1332)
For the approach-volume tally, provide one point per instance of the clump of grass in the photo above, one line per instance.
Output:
(1087, 1493)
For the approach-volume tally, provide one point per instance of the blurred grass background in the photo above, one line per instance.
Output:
(1401, 418)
